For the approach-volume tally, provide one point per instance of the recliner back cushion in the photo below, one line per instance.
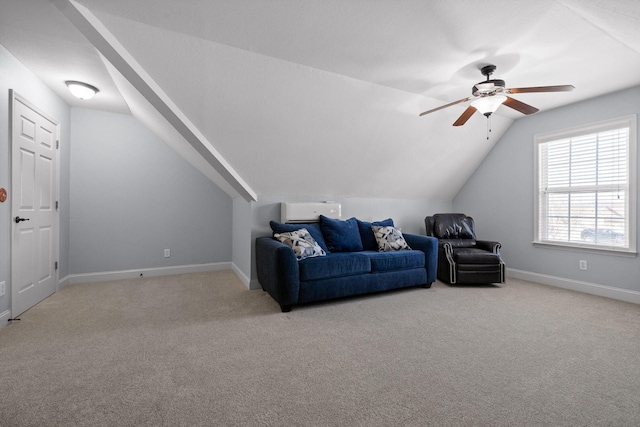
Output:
(453, 226)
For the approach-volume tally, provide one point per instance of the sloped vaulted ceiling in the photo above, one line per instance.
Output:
(322, 97)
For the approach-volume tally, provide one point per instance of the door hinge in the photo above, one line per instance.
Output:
(56, 265)
(56, 205)
(57, 144)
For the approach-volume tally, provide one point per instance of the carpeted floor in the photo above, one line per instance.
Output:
(201, 350)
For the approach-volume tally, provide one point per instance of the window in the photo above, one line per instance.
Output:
(586, 186)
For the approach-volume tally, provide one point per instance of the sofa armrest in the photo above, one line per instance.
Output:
(277, 270)
(428, 245)
(488, 245)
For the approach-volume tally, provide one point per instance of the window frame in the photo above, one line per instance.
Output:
(629, 121)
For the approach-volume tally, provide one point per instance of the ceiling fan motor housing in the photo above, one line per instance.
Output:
(488, 88)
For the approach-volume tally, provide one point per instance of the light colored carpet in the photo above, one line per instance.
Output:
(200, 349)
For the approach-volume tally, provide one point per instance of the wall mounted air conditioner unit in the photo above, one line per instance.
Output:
(308, 212)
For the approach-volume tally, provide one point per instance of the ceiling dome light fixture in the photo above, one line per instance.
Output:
(487, 105)
(81, 90)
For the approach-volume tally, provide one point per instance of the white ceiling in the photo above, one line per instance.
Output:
(321, 97)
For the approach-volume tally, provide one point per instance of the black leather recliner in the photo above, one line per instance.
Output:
(462, 259)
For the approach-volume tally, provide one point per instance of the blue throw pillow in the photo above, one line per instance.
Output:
(341, 236)
(313, 228)
(369, 242)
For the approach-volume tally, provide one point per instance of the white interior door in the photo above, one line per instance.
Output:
(34, 213)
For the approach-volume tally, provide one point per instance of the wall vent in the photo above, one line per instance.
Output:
(308, 212)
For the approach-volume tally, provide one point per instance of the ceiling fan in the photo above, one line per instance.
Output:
(487, 96)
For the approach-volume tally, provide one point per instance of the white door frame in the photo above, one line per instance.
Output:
(15, 97)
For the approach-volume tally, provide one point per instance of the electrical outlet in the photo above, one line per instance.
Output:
(167, 253)
(2, 288)
(583, 264)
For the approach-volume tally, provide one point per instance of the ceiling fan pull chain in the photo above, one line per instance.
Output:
(488, 125)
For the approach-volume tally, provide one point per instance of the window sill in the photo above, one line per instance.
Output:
(602, 250)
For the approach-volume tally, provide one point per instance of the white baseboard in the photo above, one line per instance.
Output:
(148, 272)
(63, 283)
(577, 285)
(4, 318)
(243, 277)
(254, 284)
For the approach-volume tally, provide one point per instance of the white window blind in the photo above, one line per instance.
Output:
(584, 186)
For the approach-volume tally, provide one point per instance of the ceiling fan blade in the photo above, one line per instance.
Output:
(445, 106)
(519, 106)
(465, 116)
(562, 88)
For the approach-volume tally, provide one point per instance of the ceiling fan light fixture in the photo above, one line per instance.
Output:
(488, 95)
(81, 90)
(487, 105)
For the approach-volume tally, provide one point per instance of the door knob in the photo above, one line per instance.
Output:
(18, 219)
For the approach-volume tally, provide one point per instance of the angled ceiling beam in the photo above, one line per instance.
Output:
(106, 43)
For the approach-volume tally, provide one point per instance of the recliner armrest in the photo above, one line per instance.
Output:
(489, 245)
(447, 248)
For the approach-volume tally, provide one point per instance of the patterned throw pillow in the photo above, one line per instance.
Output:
(389, 238)
(313, 229)
(369, 242)
(302, 243)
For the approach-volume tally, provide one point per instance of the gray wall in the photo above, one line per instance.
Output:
(500, 195)
(407, 214)
(132, 196)
(241, 255)
(13, 75)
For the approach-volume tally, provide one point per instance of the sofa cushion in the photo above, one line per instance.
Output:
(335, 264)
(369, 242)
(341, 236)
(312, 228)
(303, 245)
(389, 238)
(398, 260)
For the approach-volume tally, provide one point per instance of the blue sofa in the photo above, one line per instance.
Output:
(351, 263)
